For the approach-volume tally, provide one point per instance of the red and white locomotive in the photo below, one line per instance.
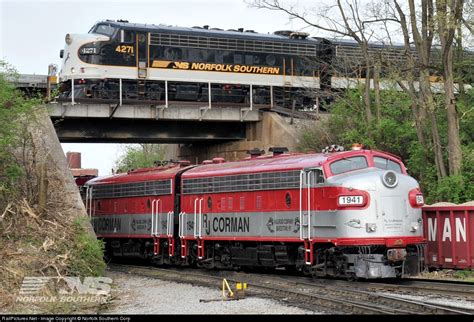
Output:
(354, 214)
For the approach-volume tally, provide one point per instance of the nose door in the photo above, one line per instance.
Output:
(142, 54)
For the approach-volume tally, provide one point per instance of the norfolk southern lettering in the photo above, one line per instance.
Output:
(217, 67)
(227, 224)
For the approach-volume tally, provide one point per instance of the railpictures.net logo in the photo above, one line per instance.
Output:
(64, 289)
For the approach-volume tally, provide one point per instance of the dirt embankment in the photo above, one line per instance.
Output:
(44, 230)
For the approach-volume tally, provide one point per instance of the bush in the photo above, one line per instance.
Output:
(87, 252)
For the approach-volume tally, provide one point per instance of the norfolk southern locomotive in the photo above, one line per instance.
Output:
(157, 63)
(353, 214)
(130, 63)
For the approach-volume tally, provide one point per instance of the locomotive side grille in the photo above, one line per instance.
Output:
(388, 54)
(243, 182)
(148, 188)
(269, 47)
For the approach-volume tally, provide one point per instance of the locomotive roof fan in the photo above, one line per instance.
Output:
(255, 152)
(278, 150)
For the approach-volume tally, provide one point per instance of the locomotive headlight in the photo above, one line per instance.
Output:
(390, 179)
(414, 227)
(73, 70)
(68, 39)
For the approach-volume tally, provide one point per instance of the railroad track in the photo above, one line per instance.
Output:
(329, 297)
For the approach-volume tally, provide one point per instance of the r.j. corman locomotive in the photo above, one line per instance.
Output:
(353, 214)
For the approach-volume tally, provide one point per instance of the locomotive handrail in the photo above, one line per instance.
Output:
(155, 209)
(181, 225)
(157, 215)
(308, 186)
(200, 217)
(169, 223)
(195, 218)
(153, 216)
(301, 204)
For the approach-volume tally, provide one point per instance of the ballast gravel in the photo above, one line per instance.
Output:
(437, 299)
(141, 295)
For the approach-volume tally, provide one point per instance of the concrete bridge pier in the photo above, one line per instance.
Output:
(273, 130)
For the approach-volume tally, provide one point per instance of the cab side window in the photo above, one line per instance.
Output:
(319, 176)
(126, 36)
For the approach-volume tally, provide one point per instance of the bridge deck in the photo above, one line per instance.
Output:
(185, 111)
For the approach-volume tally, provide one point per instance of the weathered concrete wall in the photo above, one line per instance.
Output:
(272, 131)
(50, 155)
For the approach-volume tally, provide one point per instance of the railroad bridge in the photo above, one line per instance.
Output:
(196, 130)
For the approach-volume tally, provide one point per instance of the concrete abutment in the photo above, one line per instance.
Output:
(273, 130)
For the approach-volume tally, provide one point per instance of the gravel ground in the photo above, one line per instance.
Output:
(141, 295)
(437, 299)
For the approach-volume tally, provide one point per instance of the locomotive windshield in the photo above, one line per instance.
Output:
(348, 164)
(387, 164)
(103, 29)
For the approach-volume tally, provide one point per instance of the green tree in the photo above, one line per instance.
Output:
(396, 133)
(139, 156)
(15, 113)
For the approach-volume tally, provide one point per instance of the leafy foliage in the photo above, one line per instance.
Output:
(396, 133)
(15, 112)
(139, 156)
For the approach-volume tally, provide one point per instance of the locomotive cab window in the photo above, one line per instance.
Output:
(126, 36)
(104, 29)
(348, 164)
(316, 176)
(319, 176)
(386, 164)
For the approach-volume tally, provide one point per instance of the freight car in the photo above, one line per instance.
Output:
(450, 235)
(353, 214)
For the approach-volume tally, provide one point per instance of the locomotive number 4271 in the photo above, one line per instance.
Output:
(124, 49)
(351, 200)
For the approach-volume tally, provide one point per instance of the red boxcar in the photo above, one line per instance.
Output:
(449, 230)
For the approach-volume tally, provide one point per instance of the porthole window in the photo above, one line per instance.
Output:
(288, 199)
(270, 60)
(209, 203)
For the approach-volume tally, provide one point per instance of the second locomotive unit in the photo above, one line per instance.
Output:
(353, 214)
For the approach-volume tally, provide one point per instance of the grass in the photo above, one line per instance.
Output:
(87, 258)
(465, 275)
